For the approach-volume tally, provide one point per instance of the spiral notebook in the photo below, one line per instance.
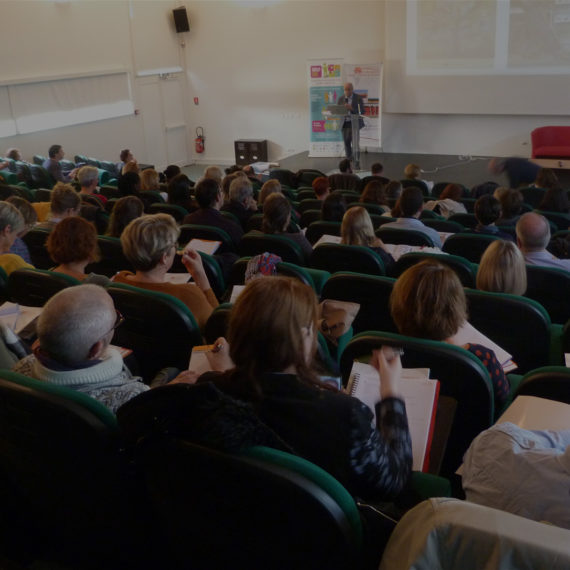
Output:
(420, 395)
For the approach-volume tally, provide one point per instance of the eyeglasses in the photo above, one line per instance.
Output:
(119, 320)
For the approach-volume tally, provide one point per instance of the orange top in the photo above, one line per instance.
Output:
(201, 303)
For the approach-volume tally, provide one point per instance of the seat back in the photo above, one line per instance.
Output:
(60, 458)
(286, 177)
(562, 221)
(409, 183)
(550, 286)
(222, 506)
(177, 212)
(217, 323)
(371, 292)
(319, 228)
(158, 328)
(466, 271)
(306, 194)
(469, 246)
(462, 377)
(256, 243)
(405, 236)
(466, 220)
(36, 239)
(40, 177)
(533, 195)
(443, 226)
(197, 231)
(549, 382)
(112, 259)
(517, 324)
(308, 217)
(310, 204)
(34, 287)
(334, 257)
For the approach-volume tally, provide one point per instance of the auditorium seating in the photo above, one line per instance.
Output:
(334, 257)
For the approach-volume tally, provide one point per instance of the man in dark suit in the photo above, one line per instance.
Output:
(354, 106)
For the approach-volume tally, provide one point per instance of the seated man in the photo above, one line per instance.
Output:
(241, 204)
(376, 173)
(487, 212)
(74, 333)
(73, 348)
(533, 235)
(411, 205)
(209, 197)
(511, 207)
(53, 166)
(88, 177)
(345, 180)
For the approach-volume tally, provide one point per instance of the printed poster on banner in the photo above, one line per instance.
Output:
(367, 82)
(325, 88)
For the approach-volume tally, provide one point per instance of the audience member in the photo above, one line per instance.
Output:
(502, 269)
(88, 177)
(413, 172)
(357, 229)
(511, 207)
(215, 173)
(124, 211)
(555, 200)
(126, 156)
(333, 208)
(129, 184)
(448, 202)
(270, 187)
(226, 182)
(72, 245)
(484, 188)
(149, 243)
(411, 204)
(276, 220)
(11, 224)
(180, 192)
(321, 187)
(19, 247)
(53, 166)
(374, 193)
(329, 428)
(519, 171)
(499, 192)
(131, 166)
(241, 204)
(209, 198)
(533, 235)
(14, 154)
(546, 178)
(150, 180)
(488, 211)
(64, 202)
(170, 172)
(428, 301)
(75, 330)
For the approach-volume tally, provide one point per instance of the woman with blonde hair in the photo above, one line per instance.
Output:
(275, 374)
(149, 243)
(149, 180)
(357, 229)
(428, 301)
(270, 187)
(502, 269)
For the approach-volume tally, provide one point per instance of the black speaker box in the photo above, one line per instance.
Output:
(181, 20)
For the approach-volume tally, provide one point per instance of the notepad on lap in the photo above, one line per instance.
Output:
(420, 395)
(204, 245)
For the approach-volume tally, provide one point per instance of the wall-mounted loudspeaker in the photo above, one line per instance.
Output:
(181, 20)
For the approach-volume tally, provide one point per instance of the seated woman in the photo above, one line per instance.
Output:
(180, 193)
(124, 211)
(448, 202)
(30, 216)
(329, 428)
(502, 269)
(149, 243)
(11, 226)
(555, 200)
(428, 301)
(72, 244)
(357, 229)
(374, 193)
(276, 219)
(270, 187)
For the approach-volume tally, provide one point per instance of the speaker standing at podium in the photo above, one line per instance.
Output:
(354, 106)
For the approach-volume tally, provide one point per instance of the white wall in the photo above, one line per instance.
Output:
(245, 60)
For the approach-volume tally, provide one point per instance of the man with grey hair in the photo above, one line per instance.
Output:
(241, 204)
(533, 235)
(75, 330)
(88, 177)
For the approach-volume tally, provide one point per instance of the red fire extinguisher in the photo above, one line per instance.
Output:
(199, 140)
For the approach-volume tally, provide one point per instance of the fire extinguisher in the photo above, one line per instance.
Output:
(199, 140)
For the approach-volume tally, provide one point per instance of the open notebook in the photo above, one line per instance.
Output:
(420, 394)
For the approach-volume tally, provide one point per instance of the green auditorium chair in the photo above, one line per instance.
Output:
(34, 287)
(334, 257)
(256, 243)
(469, 245)
(550, 287)
(404, 236)
(549, 382)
